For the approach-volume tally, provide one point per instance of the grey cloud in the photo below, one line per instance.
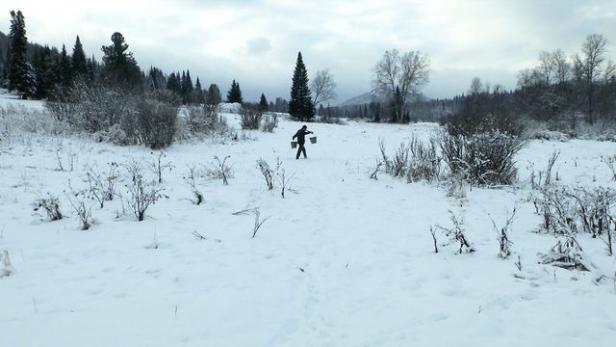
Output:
(259, 46)
(221, 40)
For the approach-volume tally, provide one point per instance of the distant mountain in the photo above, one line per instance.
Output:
(362, 99)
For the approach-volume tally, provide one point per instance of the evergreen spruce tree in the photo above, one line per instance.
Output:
(235, 93)
(43, 64)
(64, 69)
(187, 88)
(18, 69)
(94, 69)
(119, 66)
(263, 105)
(173, 83)
(156, 79)
(80, 67)
(213, 95)
(183, 87)
(300, 105)
(198, 94)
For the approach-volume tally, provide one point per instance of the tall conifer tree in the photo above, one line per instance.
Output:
(19, 71)
(64, 69)
(120, 68)
(263, 106)
(300, 105)
(80, 67)
(235, 93)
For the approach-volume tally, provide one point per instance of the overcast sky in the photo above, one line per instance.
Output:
(256, 41)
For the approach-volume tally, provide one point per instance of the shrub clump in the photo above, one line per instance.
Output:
(483, 158)
(157, 123)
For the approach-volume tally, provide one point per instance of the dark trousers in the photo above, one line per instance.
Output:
(301, 149)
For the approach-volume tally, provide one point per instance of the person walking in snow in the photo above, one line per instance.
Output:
(301, 139)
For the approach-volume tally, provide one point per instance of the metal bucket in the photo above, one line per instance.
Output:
(293, 144)
(313, 139)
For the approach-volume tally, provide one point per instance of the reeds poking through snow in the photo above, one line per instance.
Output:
(266, 171)
(7, 268)
(457, 234)
(258, 221)
(504, 243)
(414, 160)
(191, 180)
(158, 166)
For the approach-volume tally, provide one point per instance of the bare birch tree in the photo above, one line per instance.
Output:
(398, 77)
(323, 87)
(588, 68)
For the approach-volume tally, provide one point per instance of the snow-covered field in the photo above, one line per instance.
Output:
(343, 260)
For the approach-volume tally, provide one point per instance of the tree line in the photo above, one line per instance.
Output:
(44, 72)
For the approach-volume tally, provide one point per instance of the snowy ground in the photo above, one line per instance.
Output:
(343, 260)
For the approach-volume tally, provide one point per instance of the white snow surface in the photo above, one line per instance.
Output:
(343, 260)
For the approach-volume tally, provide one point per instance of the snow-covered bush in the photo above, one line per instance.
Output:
(220, 169)
(548, 135)
(611, 164)
(202, 121)
(567, 254)
(157, 123)
(114, 135)
(567, 211)
(93, 108)
(269, 123)
(482, 159)
(101, 186)
(50, 205)
(15, 120)
(81, 209)
(117, 116)
(425, 163)
(250, 118)
(415, 160)
(141, 192)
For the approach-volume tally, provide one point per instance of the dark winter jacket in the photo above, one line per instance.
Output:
(301, 135)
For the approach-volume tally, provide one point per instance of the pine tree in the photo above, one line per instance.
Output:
(235, 93)
(80, 67)
(119, 66)
(18, 69)
(300, 105)
(263, 105)
(213, 95)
